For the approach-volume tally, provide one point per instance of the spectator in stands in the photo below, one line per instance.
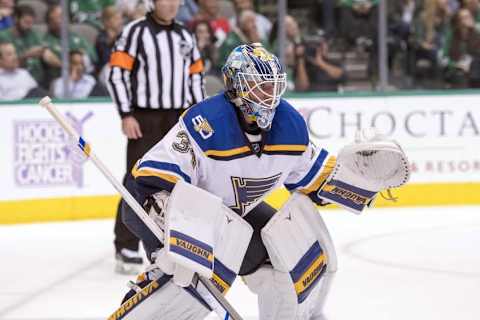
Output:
(88, 11)
(474, 7)
(33, 54)
(297, 77)
(112, 27)
(328, 16)
(264, 25)
(206, 45)
(6, 13)
(131, 9)
(463, 52)
(187, 11)
(430, 31)
(246, 32)
(76, 42)
(323, 73)
(400, 19)
(359, 21)
(323, 15)
(15, 83)
(209, 10)
(80, 85)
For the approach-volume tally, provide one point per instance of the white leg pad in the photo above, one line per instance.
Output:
(200, 230)
(165, 302)
(276, 296)
(303, 259)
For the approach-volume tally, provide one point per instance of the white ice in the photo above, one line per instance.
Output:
(394, 264)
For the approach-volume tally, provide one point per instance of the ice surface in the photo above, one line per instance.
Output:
(394, 264)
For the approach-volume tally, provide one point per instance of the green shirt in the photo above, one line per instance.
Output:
(76, 42)
(22, 44)
(89, 11)
(350, 3)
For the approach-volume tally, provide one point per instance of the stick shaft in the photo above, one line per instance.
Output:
(46, 102)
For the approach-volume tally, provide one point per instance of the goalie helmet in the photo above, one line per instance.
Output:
(254, 81)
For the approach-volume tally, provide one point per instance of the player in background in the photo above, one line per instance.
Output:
(156, 73)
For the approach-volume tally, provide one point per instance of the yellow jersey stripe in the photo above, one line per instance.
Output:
(150, 173)
(227, 153)
(326, 171)
(285, 147)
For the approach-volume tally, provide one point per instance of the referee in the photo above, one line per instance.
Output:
(156, 72)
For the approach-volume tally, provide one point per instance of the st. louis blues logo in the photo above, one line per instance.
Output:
(249, 190)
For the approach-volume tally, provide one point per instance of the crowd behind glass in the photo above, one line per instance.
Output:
(331, 45)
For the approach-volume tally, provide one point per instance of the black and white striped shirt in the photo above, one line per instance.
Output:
(155, 67)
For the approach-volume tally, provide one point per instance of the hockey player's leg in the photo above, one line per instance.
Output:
(149, 241)
(156, 297)
(181, 297)
(127, 256)
(303, 264)
(330, 272)
(275, 293)
(277, 298)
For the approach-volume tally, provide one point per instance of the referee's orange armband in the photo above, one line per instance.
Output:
(196, 67)
(122, 60)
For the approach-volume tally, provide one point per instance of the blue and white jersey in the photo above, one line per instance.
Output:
(209, 149)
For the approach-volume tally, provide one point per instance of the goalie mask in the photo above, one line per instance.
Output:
(254, 81)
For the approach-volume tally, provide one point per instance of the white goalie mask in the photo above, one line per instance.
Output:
(255, 76)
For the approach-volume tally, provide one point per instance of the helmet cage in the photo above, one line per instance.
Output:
(264, 90)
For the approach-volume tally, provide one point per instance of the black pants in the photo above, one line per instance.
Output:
(154, 125)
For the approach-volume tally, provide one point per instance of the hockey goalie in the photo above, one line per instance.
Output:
(204, 185)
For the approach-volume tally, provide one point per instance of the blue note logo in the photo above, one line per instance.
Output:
(249, 190)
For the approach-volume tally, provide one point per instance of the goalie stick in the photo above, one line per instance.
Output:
(228, 311)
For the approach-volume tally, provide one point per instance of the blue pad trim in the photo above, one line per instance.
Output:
(346, 195)
(308, 271)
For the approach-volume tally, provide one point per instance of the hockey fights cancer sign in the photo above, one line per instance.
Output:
(45, 155)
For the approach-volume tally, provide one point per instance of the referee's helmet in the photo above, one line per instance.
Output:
(256, 77)
(150, 4)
